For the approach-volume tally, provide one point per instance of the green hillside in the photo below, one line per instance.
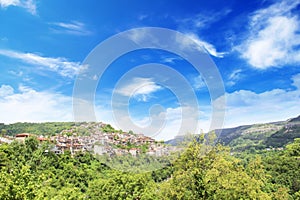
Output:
(203, 170)
(256, 136)
(261, 136)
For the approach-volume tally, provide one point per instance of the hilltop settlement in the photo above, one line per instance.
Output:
(102, 139)
(97, 138)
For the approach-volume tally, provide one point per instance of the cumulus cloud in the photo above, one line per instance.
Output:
(27, 104)
(296, 81)
(24, 104)
(200, 45)
(247, 107)
(6, 90)
(274, 36)
(165, 124)
(198, 82)
(139, 88)
(60, 65)
(29, 5)
(6, 3)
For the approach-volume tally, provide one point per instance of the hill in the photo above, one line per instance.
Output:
(95, 137)
(257, 136)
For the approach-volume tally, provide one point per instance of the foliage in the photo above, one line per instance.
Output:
(108, 129)
(30, 170)
(284, 136)
(284, 167)
(47, 128)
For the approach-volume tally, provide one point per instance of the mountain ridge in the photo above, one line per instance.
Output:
(258, 136)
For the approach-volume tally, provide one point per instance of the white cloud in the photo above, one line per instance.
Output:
(179, 121)
(166, 124)
(248, 107)
(274, 37)
(171, 60)
(139, 35)
(24, 104)
(6, 90)
(234, 77)
(16, 73)
(201, 45)
(296, 81)
(33, 106)
(191, 41)
(142, 17)
(95, 77)
(139, 88)
(74, 28)
(60, 65)
(6, 3)
(29, 5)
(204, 19)
(280, 8)
(198, 82)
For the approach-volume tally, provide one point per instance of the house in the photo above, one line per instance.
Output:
(42, 139)
(22, 136)
(120, 152)
(56, 150)
(77, 147)
(151, 153)
(100, 150)
(5, 140)
(134, 151)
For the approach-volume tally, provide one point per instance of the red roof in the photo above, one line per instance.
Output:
(23, 135)
(42, 139)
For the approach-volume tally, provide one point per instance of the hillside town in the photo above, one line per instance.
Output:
(99, 141)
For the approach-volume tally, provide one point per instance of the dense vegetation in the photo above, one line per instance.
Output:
(47, 128)
(28, 171)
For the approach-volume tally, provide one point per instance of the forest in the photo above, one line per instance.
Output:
(202, 171)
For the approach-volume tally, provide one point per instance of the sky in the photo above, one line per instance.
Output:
(255, 47)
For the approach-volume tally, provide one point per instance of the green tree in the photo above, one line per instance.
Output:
(119, 185)
(3, 132)
(293, 149)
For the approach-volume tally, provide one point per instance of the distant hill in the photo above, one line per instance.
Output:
(176, 141)
(296, 119)
(250, 136)
(229, 134)
(257, 136)
(288, 133)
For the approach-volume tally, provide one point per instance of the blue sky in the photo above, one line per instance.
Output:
(255, 46)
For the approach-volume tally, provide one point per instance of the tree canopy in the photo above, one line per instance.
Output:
(202, 171)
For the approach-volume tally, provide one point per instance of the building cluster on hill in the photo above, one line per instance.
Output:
(102, 143)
